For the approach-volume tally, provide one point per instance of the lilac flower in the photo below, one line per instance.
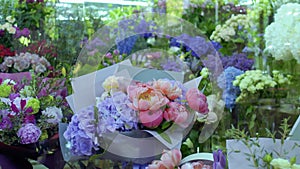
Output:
(29, 133)
(219, 160)
(238, 60)
(230, 92)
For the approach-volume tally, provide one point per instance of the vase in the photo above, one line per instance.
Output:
(16, 157)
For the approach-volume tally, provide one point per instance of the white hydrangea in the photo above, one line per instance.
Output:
(283, 35)
(227, 31)
(54, 114)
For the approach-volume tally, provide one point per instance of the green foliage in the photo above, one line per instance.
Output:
(260, 157)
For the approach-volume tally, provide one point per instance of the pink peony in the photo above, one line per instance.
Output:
(151, 119)
(171, 90)
(145, 98)
(197, 101)
(176, 112)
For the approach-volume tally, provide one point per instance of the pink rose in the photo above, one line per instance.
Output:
(171, 90)
(171, 158)
(145, 98)
(197, 101)
(151, 119)
(176, 112)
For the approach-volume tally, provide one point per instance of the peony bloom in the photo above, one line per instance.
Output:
(151, 119)
(171, 90)
(197, 101)
(145, 98)
(176, 112)
(29, 133)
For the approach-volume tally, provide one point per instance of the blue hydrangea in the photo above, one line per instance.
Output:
(230, 92)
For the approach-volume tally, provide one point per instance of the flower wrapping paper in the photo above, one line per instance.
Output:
(124, 146)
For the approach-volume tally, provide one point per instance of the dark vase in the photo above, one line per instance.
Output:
(16, 157)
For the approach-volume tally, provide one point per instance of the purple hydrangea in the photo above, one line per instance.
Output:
(29, 133)
(230, 92)
(219, 160)
(114, 114)
(81, 143)
(238, 60)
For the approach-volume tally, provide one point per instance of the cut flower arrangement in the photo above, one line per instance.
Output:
(163, 107)
(29, 112)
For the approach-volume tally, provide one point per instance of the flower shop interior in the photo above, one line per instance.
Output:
(150, 84)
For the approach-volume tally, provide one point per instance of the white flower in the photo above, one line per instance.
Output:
(280, 163)
(54, 114)
(11, 30)
(10, 19)
(283, 35)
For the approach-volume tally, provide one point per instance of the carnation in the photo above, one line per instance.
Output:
(29, 133)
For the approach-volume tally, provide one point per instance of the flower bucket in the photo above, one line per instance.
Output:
(16, 157)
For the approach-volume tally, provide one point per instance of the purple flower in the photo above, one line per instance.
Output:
(5, 123)
(114, 114)
(219, 160)
(29, 1)
(81, 143)
(2, 32)
(29, 118)
(29, 133)
(238, 60)
(216, 45)
(197, 45)
(25, 32)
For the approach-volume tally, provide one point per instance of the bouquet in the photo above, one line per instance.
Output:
(29, 113)
(127, 104)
